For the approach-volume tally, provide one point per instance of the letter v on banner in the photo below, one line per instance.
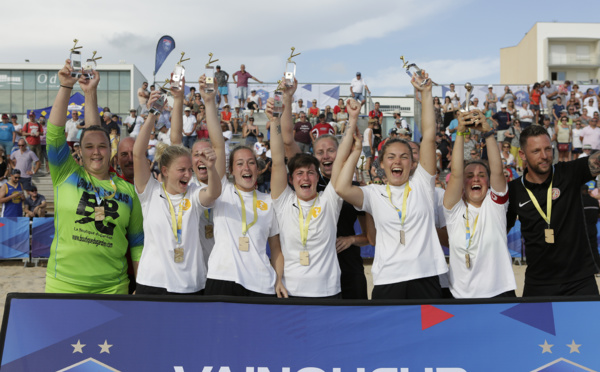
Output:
(165, 46)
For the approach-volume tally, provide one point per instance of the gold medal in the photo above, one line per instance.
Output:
(244, 244)
(178, 255)
(209, 231)
(549, 236)
(402, 237)
(99, 213)
(304, 260)
(468, 260)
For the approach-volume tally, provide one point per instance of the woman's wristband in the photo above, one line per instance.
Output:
(458, 133)
(64, 86)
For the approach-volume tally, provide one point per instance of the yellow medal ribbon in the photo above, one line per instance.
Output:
(208, 215)
(245, 226)
(176, 224)
(98, 197)
(546, 216)
(304, 224)
(401, 213)
(469, 236)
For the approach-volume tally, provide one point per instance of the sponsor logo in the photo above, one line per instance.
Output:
(522, 204)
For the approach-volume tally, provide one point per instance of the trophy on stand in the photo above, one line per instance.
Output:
(290, 69)
(209, 71)
(278, 101)
(90, 65)
(412, 69)
(178, 73)
(158, 106)
(75, 58)
(361, 168)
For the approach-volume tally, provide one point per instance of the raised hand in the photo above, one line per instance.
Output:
(154, 96)
(176, 92)
(288, 91)
(64, 75)
(353, 107)
(207, 97)
(208, 157)
(417, 80)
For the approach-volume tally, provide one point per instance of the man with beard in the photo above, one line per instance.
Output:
(547, 200)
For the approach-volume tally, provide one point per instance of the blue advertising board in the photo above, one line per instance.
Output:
(223, 334)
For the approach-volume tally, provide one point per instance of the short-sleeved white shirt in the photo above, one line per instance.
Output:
(188, 124)
(138, 120)
(252, 269)
(72, 130)
(157, 265)
(321, 278)
(422, 255)
(490, 272)
(358, 85)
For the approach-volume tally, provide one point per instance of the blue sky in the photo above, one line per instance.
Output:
(455, 41)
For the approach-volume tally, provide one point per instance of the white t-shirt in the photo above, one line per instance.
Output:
(368, 133)
(157, 265)
(296, 109)
(440, 219)
(422, 255)
(18, 128)
(453, 97)
(490, 272)
(152, 144)
(164, 137)
(188, 125)
(576, 140)
(321, 277)
(510, 159)
(525, 112)
(252, 269)
(358, 85)
(72, 130)
(138, 120)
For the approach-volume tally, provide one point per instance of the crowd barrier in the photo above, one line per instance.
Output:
(77, 333)
(16, 233)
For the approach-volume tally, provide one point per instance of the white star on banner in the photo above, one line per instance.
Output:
(574, 347)
(546, 348)
(105, 348)
(78, 347)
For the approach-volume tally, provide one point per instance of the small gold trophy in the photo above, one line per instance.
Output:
(290, 69)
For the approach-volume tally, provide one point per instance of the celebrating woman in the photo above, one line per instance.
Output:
(97, 214)
(475, 205)
(172, 261)
(408, 258)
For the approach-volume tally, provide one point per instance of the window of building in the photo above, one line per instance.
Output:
(582, 53)
(558, 54)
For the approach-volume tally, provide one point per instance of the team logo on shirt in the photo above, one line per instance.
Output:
(262, 205)
(187, 204)
(316, 212)
(85, 208)
(555, 193)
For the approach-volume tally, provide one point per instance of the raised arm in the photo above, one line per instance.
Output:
(209, 194)
(497, 179)
(343, 186)
(346, 146)
(278, 169)
(215, 133)
(176, 135)
(90, 87)
(287, 122)
(454, 191)
(58, 116)
(427, 154)
(141, 170)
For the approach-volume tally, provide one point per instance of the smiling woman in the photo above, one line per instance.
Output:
(97, 215)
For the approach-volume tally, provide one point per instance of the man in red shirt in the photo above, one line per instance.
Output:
(32, 132)
(321, 128)
(376, 114)
(241, 79)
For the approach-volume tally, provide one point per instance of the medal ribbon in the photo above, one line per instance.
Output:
(176, 224)
(468, 234)
(546, 216)
(304, 224)
(104, 196)
(245, 226)
(401, 213)
(208, 214)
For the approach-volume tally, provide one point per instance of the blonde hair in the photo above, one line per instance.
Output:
(171, 153)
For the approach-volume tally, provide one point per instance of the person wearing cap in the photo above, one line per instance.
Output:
(503, 121)
(254, 102)
(587, 151)
(35, 204)
(72, 128)
(222, 78)
(238, 119)
(32, 132)
(133, 123)
(357, 87)
(7, 133)
(189, 128)
(240, 78)
(12, 195)
(404, 134)
(492, 99)
(399, 121)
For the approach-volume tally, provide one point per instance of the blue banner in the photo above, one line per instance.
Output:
(14, 237)
(141, 333)
(42, 233)
(76, 104)
(165, 46)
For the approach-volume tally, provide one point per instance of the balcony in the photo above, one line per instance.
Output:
(572, 60)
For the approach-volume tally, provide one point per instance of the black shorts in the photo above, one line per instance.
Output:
(416, 289)
(149, 290)
(215, 287)
(581, 287)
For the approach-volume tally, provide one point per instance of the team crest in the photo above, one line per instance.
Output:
(262, 205)
(555, 193)
(187, 204)
(316, 212)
